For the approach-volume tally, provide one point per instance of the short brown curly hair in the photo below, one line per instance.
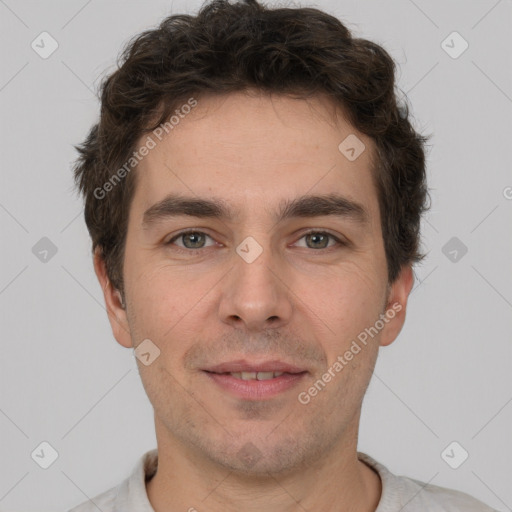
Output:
(299, 52)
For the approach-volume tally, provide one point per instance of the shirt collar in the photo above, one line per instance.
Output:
(132, 495)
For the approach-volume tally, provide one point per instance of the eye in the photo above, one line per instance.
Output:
(320, 239)
(190, 239)
(193, 239)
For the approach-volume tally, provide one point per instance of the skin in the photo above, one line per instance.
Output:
(296, 302)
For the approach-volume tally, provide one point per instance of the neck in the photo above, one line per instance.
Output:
(188, 480)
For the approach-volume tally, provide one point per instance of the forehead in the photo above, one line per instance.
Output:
(256, 150)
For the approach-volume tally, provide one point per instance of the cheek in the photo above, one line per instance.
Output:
(155, 308)
(351, 301)
(170, 309)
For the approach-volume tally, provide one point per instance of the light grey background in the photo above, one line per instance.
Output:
(65, 380)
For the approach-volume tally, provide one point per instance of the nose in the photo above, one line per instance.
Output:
(255, 295)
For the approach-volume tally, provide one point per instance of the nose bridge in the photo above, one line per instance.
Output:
(254, 263)
(254, 294)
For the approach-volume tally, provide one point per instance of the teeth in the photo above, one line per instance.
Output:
(265, 375)
(255, 375)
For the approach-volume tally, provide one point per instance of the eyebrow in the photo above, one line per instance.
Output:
(175, 205)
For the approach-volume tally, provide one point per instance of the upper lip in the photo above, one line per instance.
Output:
(242, 365)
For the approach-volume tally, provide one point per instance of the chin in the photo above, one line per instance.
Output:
(257, 458)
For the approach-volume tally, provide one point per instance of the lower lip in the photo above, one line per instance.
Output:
(256, 389)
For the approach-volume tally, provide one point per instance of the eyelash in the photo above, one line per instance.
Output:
(340, 243)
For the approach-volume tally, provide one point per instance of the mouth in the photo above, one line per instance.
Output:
(255, 381)
(244, 366)
(254, 375)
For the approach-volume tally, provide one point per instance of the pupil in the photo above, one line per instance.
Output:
(318, 236)
(192, 236)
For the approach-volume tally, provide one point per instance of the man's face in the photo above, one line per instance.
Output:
(254, 290)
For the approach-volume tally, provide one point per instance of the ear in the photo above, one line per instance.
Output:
(397, 305)
(115, 309)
